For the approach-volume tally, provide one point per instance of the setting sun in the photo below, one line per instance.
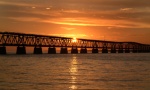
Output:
(74, 40)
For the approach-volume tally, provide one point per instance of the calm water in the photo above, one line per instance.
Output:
(75, 72)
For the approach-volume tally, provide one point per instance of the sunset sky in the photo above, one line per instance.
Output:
(115, 20)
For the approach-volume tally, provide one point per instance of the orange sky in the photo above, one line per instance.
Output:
(115, 20)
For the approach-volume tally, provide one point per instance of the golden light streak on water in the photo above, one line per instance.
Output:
(73, 72)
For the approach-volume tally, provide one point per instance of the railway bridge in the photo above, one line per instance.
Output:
(23, 40)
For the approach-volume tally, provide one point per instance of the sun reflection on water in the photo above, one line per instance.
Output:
(73, 72)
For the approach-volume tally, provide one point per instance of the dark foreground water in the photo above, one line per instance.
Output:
(75, 72)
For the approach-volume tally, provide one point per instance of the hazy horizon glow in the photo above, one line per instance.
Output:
(115, 20)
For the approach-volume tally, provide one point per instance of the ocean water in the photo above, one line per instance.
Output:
(75, 72)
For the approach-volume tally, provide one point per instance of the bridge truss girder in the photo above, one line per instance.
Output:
(21, 39)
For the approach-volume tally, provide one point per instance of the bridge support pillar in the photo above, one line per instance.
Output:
(21, 50)
(143, 49)
(63, 50)
(95, 50)
(148, 49)
(120, 50)
(74, 50)
(113, 50)
(51, 50)
(37, 50)
(127, 50)
(83, 50)
(3, 50)
(140, 49)
(134, 51)
(104, 50)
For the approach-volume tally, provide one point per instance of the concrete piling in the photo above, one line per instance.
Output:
(63, 50)
(37, 50)
(21, 50)
(3, 50)
(74, 50)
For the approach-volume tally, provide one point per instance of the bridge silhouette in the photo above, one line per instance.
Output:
(22, 40)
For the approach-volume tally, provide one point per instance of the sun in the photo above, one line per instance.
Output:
(74, 40)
